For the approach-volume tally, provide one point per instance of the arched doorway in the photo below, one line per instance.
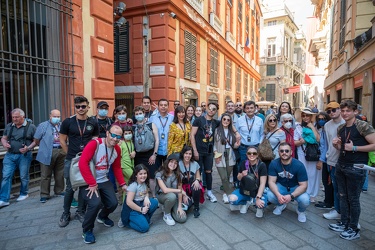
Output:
(190, 97)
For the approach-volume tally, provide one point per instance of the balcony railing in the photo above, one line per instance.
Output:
(216, 23)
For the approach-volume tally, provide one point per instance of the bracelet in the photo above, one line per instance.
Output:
(354, 149)
(141, 208)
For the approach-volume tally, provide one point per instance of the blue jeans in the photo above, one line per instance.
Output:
(350, 182)
(242, 199)
(136, 220)
(303, 200)
(365, 185)
(10, 163)
(336, 197)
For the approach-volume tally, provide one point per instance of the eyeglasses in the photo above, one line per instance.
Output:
(203, 105)
(238, 105)
(331, 110)
(81, 106)
(252, 153)
(226, 119)
(272, 120)
(284, 150)
(118, 137)
(306, 115)
(288, 121)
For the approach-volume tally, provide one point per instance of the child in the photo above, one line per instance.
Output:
(138, 208)
(169, 190)
(127, 153)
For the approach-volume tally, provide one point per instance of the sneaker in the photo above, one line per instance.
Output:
(22, 197)
(225, 199)
(62, 194)
(301, 216)
(337, 227)
(350, 234)
(120, 224)
(364, 191)
(323, 205)
(332, 215)
(4, 203)
(105, 221)
(43, 200)
(312, 200)
(259, 213)
(64, 220)
(74, 204)
(196, 212)
(169, 220)
(279, 209)
(211, 197)
(79, 216)
(88, 237)
(244, 208)
(234, 207)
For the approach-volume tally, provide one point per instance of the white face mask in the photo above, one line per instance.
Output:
(288, 125)
(128, 137)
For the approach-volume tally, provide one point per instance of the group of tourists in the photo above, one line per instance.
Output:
(159, 158)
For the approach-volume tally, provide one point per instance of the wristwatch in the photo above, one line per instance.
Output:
(292, 196)
(155, 153)
(258, 197)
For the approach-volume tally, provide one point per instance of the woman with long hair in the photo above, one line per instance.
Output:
(179, 131)
(274, 135)
(190, 113)
(285, 108)
(169, 190)
(225, 143)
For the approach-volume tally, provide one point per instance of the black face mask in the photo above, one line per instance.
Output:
(238, 111)
(304, 124)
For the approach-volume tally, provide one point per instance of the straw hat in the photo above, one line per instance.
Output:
(306, 110)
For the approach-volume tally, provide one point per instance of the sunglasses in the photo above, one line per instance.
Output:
(118, 137)
(288, 121)
(284, 150)
(272, 120)
(329, 111)
(203, 105)
(212, 109)
(81, 106)
(176, 104)
(239, 105)
(226, 119)
(305, 115)
(252, 153)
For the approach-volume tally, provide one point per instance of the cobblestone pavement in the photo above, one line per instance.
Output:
(32, 225)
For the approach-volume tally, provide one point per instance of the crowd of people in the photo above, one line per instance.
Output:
(165, 158)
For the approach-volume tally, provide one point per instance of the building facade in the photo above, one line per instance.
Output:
(207, 50)
(282, 56)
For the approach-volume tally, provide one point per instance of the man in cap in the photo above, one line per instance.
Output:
(104, 122)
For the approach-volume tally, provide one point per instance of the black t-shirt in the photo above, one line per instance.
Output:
(260, 170)
(70, 128)
(204, 138)
(103, 125)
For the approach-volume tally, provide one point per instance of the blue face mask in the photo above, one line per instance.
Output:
(321, 122)
(121, 117)
(55, 120)
(140, 117)
(103, 112)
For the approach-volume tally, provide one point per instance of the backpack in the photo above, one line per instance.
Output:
(312, 151)
(266, 150)
(143, 137)
(249, 183)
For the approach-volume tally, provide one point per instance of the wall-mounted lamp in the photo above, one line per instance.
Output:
(173, 15)
(161, 15)
(121, 22)
(119, 9)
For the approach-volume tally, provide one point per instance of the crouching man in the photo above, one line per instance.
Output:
(100, 190)
(287, 180)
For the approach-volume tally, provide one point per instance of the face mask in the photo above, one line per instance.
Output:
(55, 120)
(288, 125)
(103, 112)
(140, 117)
(121, 117)
(128, 137)
(321, 123)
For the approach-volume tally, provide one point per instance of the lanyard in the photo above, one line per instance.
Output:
(187, 172)
(131, 148)
(183, 128)
(106, 153)
(79, 128)
(101, 126)
(251, 127)
(163, 124)
(288, 177)
(254, 170)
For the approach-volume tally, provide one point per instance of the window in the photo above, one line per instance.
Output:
(252, 34)
(342, 23)
(190, 67)
(247, 24)
(228, 74)
(328, 98)
(238, 80)
(270, 92)
(331, 35)
(229, 18)
(272, 23)
(271, 70)
(240, 11)
(271, 47)
(358, 95)
(213, 67)
(121, 43)
(339, 95)
(215, 7)
(246, 84)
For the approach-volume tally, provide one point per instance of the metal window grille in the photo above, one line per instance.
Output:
(342, 23)
(228, 75)
(270, 92)
(36, 62)
(238, 80)
(271, 70)
(246, 84)
(213, 67)
(121, 42)
(190, 67)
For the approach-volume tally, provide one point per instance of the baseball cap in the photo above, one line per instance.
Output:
(102, 103)
(174, 156)
(332, 105)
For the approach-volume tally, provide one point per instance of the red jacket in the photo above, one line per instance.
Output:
(88, 154)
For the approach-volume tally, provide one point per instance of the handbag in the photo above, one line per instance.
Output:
(312, 152)
(248, 183)
(76, 178)
(266, 150)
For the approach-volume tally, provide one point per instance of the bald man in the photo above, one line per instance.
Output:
(50, 155)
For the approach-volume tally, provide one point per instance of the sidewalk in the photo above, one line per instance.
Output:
(32, 225)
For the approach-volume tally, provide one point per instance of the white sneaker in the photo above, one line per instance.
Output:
(169, 220)
(234, 207)
(4, 203)
(279, 209)
(22, 197)
(120, 224)
(301, 216)
(259, 213)
(332, 215)
(211, 197)
(244, 208)
(225, 199)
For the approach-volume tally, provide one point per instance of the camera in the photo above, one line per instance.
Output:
(173, 15)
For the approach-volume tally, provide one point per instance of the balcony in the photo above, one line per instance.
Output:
(216, 23)
(362, 39)
(230, 39)
(240, 50)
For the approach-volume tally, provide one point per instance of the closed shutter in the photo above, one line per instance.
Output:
(121, 42)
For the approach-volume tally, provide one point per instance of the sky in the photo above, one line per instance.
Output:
(301, 8)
